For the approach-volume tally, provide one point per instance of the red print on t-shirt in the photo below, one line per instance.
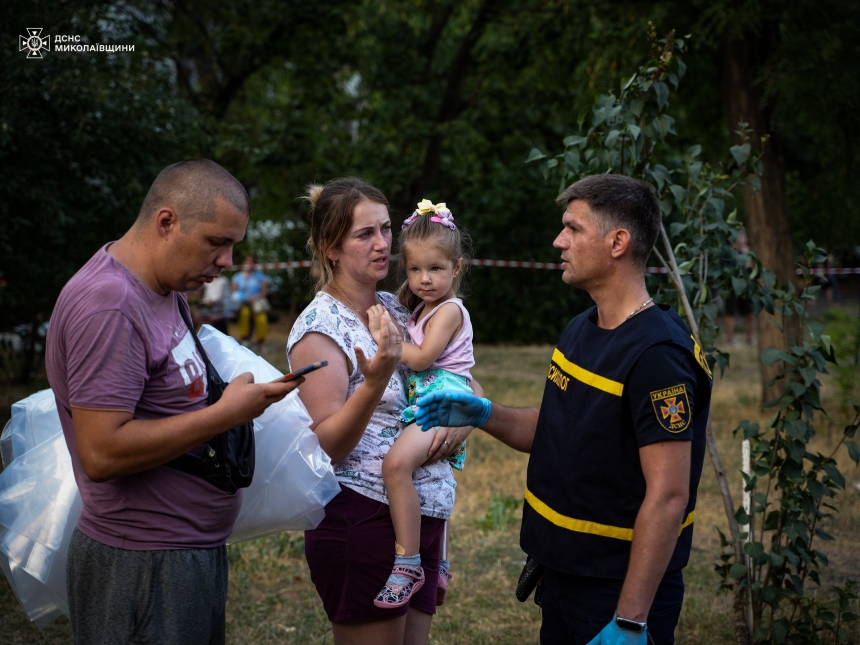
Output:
(191, 366)
(196, 388)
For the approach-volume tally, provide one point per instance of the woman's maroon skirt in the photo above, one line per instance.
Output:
(351, 553)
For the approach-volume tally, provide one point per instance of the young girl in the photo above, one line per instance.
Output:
(432, 252)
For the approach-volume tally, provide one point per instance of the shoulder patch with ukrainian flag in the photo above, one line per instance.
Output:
(672, 407)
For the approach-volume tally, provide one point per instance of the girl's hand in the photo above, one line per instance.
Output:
(374, 317)
(378, 370)
(446, 442)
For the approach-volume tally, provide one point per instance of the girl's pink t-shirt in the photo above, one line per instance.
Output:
(458, 357)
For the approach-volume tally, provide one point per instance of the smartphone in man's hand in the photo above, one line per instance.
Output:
(301, 371)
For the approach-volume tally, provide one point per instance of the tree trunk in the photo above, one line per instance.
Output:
(452, 102)
(767, 220)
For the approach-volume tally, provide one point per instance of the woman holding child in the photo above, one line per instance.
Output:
(356, 403)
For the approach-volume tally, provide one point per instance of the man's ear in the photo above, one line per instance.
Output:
(166, 222)
(620, 242)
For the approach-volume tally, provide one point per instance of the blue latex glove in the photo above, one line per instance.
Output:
(612, 634)
(451, 408)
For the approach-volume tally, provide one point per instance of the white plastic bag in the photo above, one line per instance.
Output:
(33, 421)
(39, 507)
(40, 502)
(293, 477)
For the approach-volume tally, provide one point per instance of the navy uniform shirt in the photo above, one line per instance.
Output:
(609, 392)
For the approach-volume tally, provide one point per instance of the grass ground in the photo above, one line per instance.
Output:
(273, 601)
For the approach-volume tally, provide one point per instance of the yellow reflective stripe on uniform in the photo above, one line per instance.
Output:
(584, 526)
(687, 521)
(580, 526)
(589, 378)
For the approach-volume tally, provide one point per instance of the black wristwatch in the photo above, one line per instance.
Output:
(630, 625)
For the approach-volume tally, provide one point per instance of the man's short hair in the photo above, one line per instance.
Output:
(618, 201)
(191, 188)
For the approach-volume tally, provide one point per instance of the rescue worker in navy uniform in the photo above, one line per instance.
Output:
(618, 443)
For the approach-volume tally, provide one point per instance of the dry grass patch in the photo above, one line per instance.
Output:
(272, 599)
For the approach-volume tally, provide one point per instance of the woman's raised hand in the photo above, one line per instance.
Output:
(378, 370)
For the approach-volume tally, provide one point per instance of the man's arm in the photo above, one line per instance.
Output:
(666, 467)
(514, 427)
(665, 456)
(113, 444)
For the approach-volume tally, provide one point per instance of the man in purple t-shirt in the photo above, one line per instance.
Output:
(147, 562)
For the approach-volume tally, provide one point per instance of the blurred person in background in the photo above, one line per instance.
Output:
(249, 293)
(216, 305)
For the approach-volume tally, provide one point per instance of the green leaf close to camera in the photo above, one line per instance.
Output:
(738, 570)
(534, 155)
(740, 153)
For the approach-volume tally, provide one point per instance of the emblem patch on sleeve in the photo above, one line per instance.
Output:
(672, 407)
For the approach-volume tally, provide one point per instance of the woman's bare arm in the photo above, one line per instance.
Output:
(339, 422)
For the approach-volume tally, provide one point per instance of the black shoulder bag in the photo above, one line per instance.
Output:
(229, 460)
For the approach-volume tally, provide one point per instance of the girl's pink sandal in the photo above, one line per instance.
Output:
(393, 596)
(442, 589)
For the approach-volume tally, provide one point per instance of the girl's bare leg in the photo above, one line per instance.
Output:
(408, 453)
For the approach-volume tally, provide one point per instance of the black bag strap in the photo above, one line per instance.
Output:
(210, 369)
(236, 443)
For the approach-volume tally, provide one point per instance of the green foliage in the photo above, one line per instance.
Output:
(501, 514)
(842, 329)
(800, 47)
(793, 492)
(424, 98)
(629, 133)
(79, 145)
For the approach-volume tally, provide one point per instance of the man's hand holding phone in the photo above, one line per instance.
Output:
(244, 400)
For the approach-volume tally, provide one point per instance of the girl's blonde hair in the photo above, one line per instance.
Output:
(454, 243)
(331, 215)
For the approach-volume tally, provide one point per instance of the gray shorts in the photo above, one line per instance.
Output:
(117, 596)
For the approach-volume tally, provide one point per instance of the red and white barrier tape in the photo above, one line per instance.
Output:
(848, 271)
(515, 263)
(300, 264)
(295, 264)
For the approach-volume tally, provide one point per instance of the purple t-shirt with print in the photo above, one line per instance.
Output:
(113, 344)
